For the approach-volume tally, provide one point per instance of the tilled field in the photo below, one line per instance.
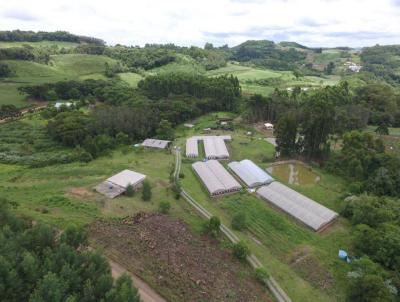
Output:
(178, 264)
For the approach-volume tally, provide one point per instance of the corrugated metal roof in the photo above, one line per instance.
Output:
(155, 143)
(297, 205)
(214, 146)
(192, 148)
(216, 179)
(251, 174)
(126, 177)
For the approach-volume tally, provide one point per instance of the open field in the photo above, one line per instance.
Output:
(61, 67)
(131, 78)
(264, 81)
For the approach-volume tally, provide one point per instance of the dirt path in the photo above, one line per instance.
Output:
(147, 294)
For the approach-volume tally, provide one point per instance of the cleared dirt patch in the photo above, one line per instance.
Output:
(178, 264)
(305, 264)
(80, 192)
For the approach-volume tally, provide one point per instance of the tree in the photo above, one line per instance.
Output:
(240, 250)
(286, 134)
(74, 236)
(239, 221)
(382, 129)
(5, 70)
(51, 288)
(146, 191)
(165, 130)
(123, 291)
(122, 138)
(367, 283)
(329, 68)
(164, 207)
(317, 124)
(212, 226)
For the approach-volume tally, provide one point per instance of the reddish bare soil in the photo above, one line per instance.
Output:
(178, 264)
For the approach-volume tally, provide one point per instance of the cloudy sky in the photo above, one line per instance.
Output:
(193, 22)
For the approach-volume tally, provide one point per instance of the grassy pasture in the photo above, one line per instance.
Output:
(131, 78)
(61, 67)
(250, 78)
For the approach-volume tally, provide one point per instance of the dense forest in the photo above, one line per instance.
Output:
(38, 264)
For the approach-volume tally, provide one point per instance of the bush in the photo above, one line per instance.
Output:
(181, 175)
(129, 191)
(212, 226)
(146, 192)
(261, 275)
(240, 250)
(239, 221)
(164, 207)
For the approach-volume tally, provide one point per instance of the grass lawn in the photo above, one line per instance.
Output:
(60, 68)
(131, 78)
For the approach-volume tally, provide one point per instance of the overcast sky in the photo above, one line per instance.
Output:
(194, 22)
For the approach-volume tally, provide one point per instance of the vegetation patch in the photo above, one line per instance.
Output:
(179, 264)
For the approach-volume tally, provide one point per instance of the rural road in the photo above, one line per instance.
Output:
(147, 294)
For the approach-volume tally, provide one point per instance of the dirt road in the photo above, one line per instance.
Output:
(147, 294)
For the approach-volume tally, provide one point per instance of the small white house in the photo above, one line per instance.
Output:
(269, 126)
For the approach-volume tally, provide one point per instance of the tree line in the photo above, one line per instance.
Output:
(31, 36)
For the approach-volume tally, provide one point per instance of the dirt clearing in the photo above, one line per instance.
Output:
(178, 264)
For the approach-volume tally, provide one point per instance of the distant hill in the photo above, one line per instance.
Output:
(31, 36)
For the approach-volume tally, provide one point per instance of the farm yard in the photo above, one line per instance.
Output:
(63, 193)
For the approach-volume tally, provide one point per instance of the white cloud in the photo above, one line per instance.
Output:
(133, 22)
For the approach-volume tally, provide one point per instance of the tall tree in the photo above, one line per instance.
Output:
(286, 134)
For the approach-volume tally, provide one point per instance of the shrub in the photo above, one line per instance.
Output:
(212, 226)
(146, 192)
(240, 250)
(239, 221)
(261, 275)
(164, 207)
(129, 191)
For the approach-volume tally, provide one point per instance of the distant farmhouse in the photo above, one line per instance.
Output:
(353, 66)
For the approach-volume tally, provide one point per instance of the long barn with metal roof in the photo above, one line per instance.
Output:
(251, 174)
(304, 209)
(214, 146)
(215, 178)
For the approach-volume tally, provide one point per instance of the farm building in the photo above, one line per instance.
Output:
(155, 143)
(305, 210)
(192, 148)
(215, 178)
(214, 146)
(117, 184)
(251, 174)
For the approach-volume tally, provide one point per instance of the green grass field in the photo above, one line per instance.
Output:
(131, 78)
(250, 77)
(61, 67)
